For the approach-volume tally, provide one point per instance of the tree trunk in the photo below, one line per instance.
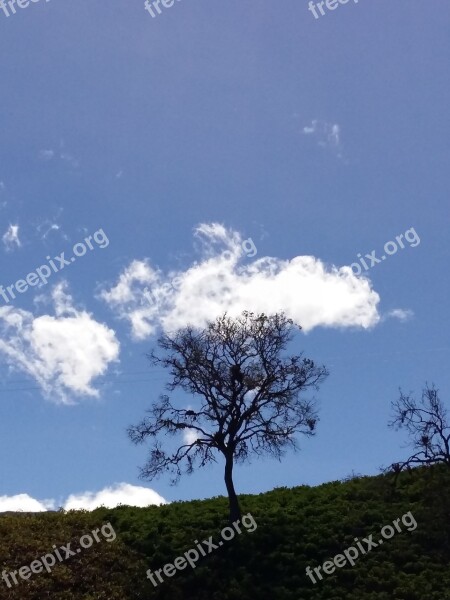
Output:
(235, 511)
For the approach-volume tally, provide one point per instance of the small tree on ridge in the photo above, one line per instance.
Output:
(249, 396)
(427, 426)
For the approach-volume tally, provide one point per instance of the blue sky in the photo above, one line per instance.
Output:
(176, 138)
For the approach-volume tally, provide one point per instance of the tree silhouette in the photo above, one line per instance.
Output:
(249, 396)
(427, 427)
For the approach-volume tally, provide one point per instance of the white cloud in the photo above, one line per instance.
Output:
(52, 227)
(189, 436)
(309, 130)
(24, 502)
(400, 314)
(310, 292)
(63, 353)
(334, 135)
(70, 159)
(130, 292)
(63, 155)
(122, 493)
(66, 156)
(11, 238)
(328, 135)
(46, 154)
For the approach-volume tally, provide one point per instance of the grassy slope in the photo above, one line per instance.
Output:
(296, 527)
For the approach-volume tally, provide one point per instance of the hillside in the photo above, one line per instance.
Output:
(296, 528)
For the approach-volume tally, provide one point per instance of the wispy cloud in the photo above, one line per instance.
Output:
(189, 436)
(11, 239)
(401, 314)
(312, 293)
(47, 228)
(51, 226)
(70, 159)
(62, 353)
(62, 154)
(3, 203)
(327, 135)
(46, 154)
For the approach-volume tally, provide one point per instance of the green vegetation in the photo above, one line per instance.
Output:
(296, 528)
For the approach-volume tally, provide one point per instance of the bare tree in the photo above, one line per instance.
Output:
(427, 427)
(249, 396)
